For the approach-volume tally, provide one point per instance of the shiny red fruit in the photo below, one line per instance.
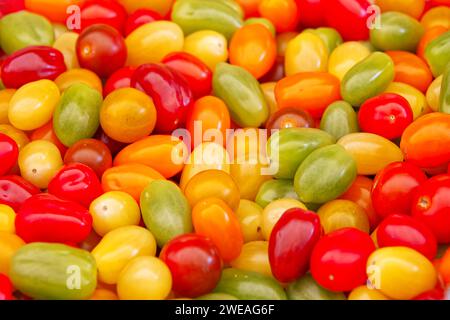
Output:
(312, 13)
(8, 153)
(111, 13)
(140, 17)
(6, 288)
(15, 190)
(121, 78)
(289, 118)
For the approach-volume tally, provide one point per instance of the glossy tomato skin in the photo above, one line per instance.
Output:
(291, 243)
(196, 73)
(140, 17)
(432, 206)
(338, 261)
(289, 118)
(107, 12)
(76, 182)
(312, 13)
(46, 218)
(349, 18)
(32, 64)
(394, 188)
(399, 230)
(195, 264)
(98, 44)
(121, 78)
(387, 115)
(14, 190)
(170, 93)
(6, 288)
(9, 152)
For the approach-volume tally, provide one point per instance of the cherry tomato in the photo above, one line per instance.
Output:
(7, 219)
(291, 243)
(339, 214)
(312, 13)
(193, 70)
(105, 12)
(9, 152)
(289, 118)
(444, 267)
(429, 35)
(31, 64)
(414, 8)
(9, 244)
(46, 132)
(160, 6)
(394, 188)
(14, 190)
(195, 264)
(282, 13)
(91, 152)
(249, 214)
(76, 182)
(54, 10)
(6, 288)
(430, 204)
(338, 261)
(72, 76)
(404, 231)
(387, 115)
(97, 44)
(66, 44)
(121, 78)
(140, 17)
(250, 7)
(209, 46)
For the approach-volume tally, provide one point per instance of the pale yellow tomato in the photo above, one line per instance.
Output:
(254, 257)
(5, 98)
(249, 214)
(66, 44)
(365, 293)
(209, 46)
(434, 93)
(7, 219)
(268, 89)
(416, 99)
(338, 214)
(345, 57)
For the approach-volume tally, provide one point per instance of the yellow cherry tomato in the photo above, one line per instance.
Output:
(5, 98)
(9, 244)
(72, 76)
(128, 115)
(59, 29)
(415, 97)
(438, 16)
(17, 135)
(39, 161)
(414, 8)
(160, 6)
(7, 219)
(104, 294)
(33, 104)
(119, 247)
(306, 53)
(112, 210)
(212, 183)
(345, 57)
(206, 156)
(370, 151)
(66, 44)
(249, 214)
(365, 293)
(338, 214)
(434, 93)
(144, 278)
(254, 257)
(400, 272)
(209, 46)
(268, 89)
(151, 42)
(273, 212)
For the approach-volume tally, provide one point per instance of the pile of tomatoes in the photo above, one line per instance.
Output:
(131, 162)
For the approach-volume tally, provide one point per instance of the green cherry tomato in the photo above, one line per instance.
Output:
(306, 288)
(437, 54)
(329, 36)
(339, 119)
(265, 22)
(272, 190)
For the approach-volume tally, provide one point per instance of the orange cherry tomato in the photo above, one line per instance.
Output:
(214, 219)
(129, 178)
(163, 153)
(253, 48)
(411, 69)
(427, 37)
(444, 267)
(250, 7)
(46, 132)
(309, 91)
(282, 13)
(54, 10)
(360, 193)
(209, 112)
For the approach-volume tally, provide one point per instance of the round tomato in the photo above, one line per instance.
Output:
(9, 153)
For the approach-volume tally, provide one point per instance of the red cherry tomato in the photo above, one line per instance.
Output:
(349, 18)
(394, 188)
(101, 48)
(11, 6)
(195, 264)
(405, 231)
(140, 17)
(289, 118)
(193, 70)
(14, 190)
(76, 182)
(111, 13)
(46, 218)
(386, 115)
(435, 294)
(6, 288)
(432, 206)
(91, 152)
(9, 151)
(32, 64)
(121, 78)
(312, 13)
(291, 243)
(170, 93)
(338, 261)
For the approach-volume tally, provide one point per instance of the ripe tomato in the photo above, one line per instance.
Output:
(140, 17)
(107, 12)
(394, 188)
(312, 13)
(432, 206)
(387, 115)
(121, 78)
(6, 288)
(9, 153)
(195, 264)
(289, 118)
(338, 261)
(282, 13)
